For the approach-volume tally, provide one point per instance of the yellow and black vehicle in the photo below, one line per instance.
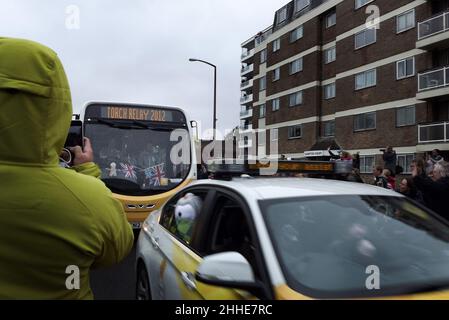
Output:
(145, 153)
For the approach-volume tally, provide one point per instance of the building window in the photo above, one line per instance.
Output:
(262, 83)
(263, 56)
(295, 132)
(275, 104)
(367, 163)
(330, 55)
(366, 121)
(329, 91)
(365, 79)
(296, 66)
(276, 74)
(406, 116)
(331, 19)
(404, 161)
(296, 34)
(405, 21)
(295, 99)
(365, 38)
(282, 15)
(262, 111)
(361, 3)
(405, 68)
(329, 128)
(276, 45)
(301, 4)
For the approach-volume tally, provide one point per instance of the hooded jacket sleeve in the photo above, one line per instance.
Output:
(89, 169)
(114, 231)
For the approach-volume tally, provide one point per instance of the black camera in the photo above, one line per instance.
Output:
(74, 138)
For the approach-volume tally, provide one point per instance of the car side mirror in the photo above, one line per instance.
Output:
(228, 270)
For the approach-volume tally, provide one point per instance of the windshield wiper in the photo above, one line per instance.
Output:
(135, 124)
(141, 124)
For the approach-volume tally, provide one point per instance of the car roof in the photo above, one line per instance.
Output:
(277, 188)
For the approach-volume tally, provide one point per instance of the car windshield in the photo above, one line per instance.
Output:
(358, 246)
(135, 158)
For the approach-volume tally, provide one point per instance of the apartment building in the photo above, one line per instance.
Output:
(359, 75)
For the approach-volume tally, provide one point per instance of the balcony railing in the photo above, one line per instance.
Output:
(247, 54)
(433, 26)
(434, 132)
(247, 69)
(246, 113)
(246, 84)
(246, 128)
(263, 36)
(246, 99)
(245, 144)
(433, 79)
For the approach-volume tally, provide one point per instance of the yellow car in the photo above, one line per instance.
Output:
(291, 238)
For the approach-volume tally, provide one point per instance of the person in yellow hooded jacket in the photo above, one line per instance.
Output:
(52, 219)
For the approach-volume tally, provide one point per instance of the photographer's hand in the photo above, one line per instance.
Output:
(83, 156)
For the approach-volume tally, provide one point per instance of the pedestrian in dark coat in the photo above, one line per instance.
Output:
(435, 189)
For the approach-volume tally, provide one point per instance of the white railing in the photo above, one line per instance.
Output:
(247, 84)
(246, 128)
(246, 99)
(246, 113)
(433, 79)
(247, 69)
(433, 132)
(263, 35)
(245, 144)
(247, 54)
(433, 26)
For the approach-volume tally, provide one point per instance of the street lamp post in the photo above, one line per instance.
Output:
(215, 91)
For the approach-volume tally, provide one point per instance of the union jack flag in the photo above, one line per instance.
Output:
(129, 171)
(155, 174)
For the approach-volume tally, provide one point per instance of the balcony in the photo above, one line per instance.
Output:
(247, 70)
(248, 54)
(433, 133)
(246, 114)
(433, 32)
(261, 37)
(432, 84)
(245, 144)
(246, 99)
(247, 84)
(245, 129)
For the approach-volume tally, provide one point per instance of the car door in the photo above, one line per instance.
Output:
(176, 232)
(227, 227)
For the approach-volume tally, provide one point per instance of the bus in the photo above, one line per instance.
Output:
(133, 146)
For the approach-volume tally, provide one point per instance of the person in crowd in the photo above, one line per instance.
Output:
(55, 223)
(435, 189)
(391, 181)
(407, 188)
(390, 158)
(344, 155)
(432, 159)
(379, 179)
(356, 161)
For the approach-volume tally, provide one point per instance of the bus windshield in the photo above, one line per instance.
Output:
(134, 155)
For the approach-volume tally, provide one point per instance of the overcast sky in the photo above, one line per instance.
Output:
(138, 50)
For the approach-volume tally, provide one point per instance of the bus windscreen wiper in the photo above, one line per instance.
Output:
(135, 124)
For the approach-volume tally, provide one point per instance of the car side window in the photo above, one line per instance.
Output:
(230, 230)
(180, 215)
